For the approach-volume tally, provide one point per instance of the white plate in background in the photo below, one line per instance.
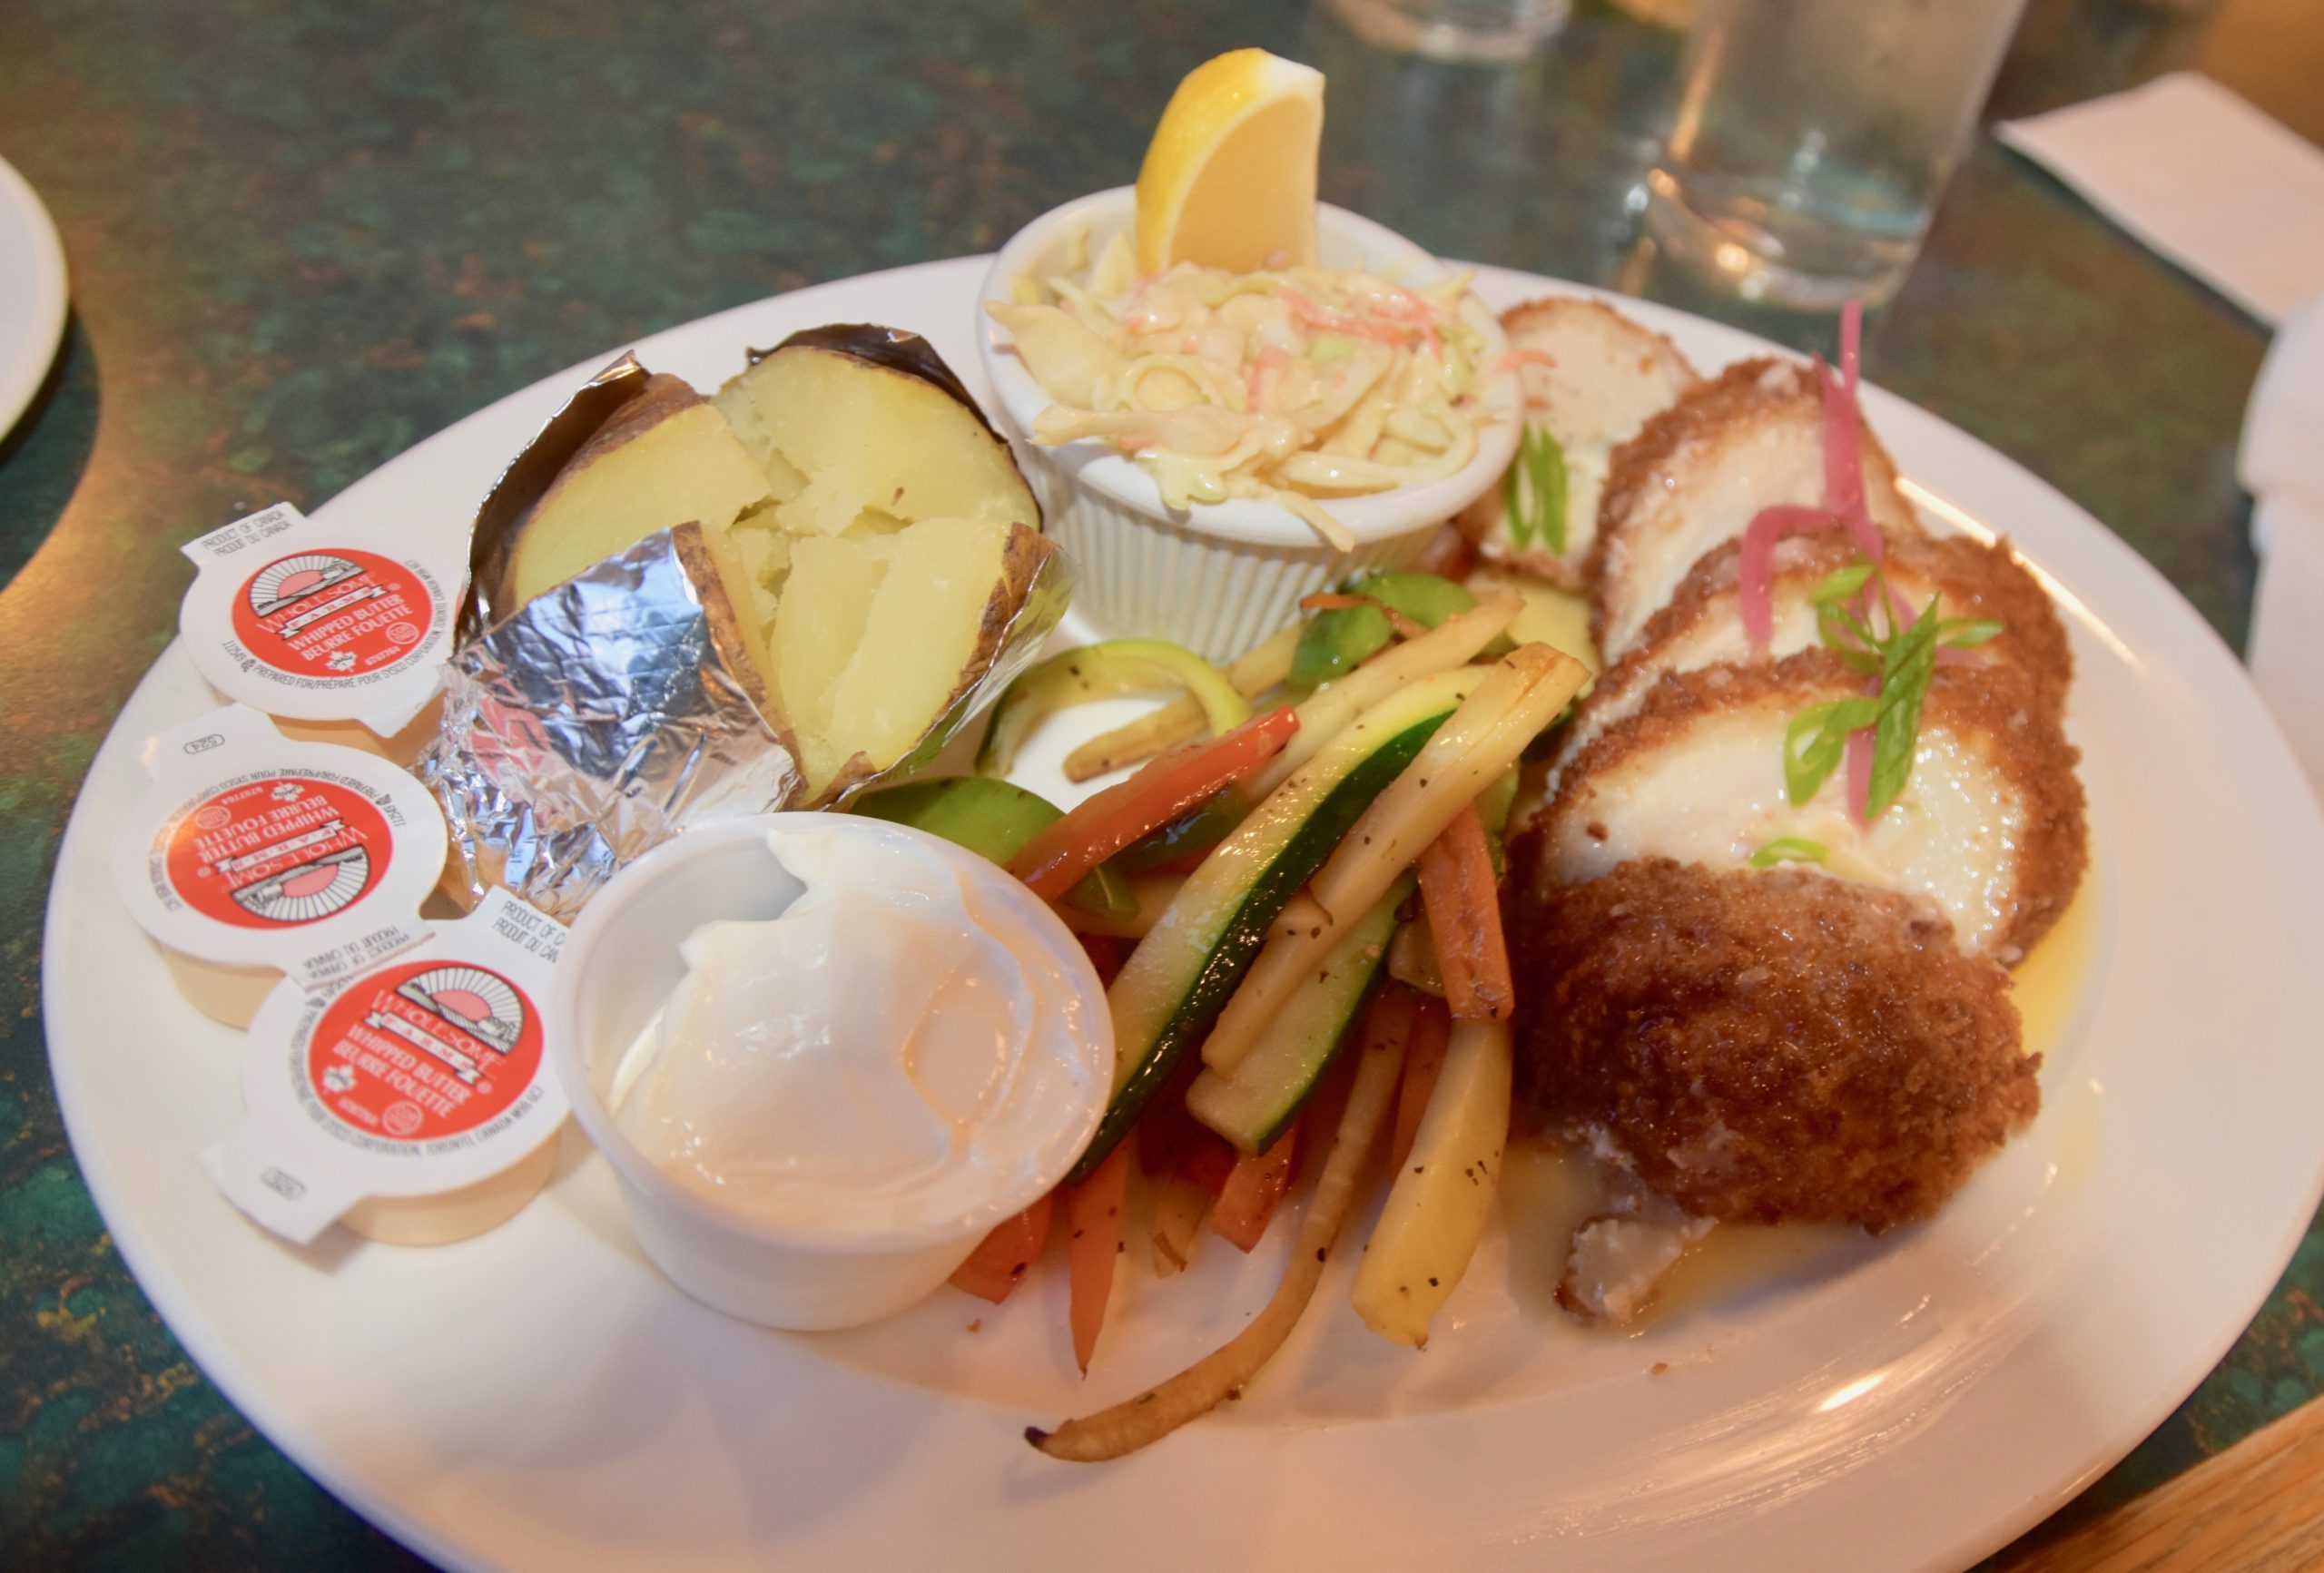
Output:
(31, 294)
(542, 1397)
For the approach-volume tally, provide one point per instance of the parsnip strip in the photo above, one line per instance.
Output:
(1224, 1372)
(1519, 697)
(1452, 642)
(1443, 1192)
(1265, 667)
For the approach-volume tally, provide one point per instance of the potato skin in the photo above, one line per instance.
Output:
(1765, 1046)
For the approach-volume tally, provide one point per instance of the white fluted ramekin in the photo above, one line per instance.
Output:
(1220, 577)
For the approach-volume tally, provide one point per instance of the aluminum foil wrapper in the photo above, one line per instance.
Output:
(589, 725)
(592, 725)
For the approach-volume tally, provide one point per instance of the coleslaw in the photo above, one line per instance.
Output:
(1291, 386)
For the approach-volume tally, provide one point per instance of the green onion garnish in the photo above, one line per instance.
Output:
(1789, 849)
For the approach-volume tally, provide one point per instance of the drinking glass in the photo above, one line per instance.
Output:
(1454, 29)
(1813, 136)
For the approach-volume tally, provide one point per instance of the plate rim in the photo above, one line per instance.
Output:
(206, 1342)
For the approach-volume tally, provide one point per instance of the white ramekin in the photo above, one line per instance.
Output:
(621, 961)
(1220, 577)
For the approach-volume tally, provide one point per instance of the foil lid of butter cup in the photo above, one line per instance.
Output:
(315, 621)
(412, 1079)
(252, 850)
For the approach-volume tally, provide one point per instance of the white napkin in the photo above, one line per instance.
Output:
(2200, 176)
(2281, 464)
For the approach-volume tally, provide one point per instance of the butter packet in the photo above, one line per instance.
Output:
(338, 634)
(253, 858)
(412, 1103)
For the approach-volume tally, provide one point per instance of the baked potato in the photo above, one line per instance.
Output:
(859, 536)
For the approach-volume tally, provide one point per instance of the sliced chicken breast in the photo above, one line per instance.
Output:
(1989, 830)
(1606, 377)
(1698, 474)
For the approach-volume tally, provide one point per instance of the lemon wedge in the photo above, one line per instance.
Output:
(1229, 178)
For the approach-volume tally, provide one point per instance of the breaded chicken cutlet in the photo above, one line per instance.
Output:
(1697, 474)
(1701, 626)
(1765, 1046)
(1591, 378)
(1989, 826)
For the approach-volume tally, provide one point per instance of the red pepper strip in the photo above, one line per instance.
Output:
(1253, 1191)
(1328, 600)
(1106, 953)
(1093, 1213)
(1054, 860)
(1463, 904)
(1002, 1260)
(1207, 1161)
(1424, 1047)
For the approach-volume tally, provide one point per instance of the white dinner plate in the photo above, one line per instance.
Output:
(542, 1397)
(31, 294)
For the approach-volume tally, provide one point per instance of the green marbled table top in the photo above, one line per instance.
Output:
(306, 233)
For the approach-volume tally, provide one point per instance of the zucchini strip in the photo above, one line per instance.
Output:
(1224, 1372)
(1175, 983)
(1265, 665)
(1443, 1192)
(1522, 694)
(1453, 644)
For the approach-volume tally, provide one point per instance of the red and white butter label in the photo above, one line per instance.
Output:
(252, 850)
(423, 1076)
(313, 623)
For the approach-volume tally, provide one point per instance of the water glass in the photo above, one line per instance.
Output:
(1454, 29)
(1813, 137)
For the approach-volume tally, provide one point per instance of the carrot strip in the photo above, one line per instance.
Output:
(1221, 1375)
(1423, 1057)
(1003, 1258)
(1254, 1188)
(1093, 1213)
(1463, 900)
(1333, 601)
(1060, 853)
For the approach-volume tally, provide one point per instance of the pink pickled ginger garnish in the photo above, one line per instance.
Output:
(1755, 563)
(1859, 766)
(1843, 440)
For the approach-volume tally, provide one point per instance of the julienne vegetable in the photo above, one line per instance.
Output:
(1442, 1195)
(1062, 852)
(1266, 874)
(1176, 982)
(1462, 896)
(1322, 715)
(995, 819)
(1220, 1375)
(1361, 621)
(1520, 695)
(1105, 670)
(1265, 665)
(1252, 1105)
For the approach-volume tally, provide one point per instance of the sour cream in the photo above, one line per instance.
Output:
(894, 1051)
